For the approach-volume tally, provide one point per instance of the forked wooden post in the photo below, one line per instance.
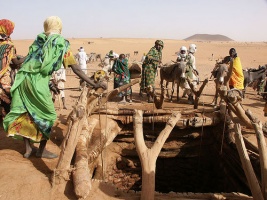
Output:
(148, 156)
(199, 92)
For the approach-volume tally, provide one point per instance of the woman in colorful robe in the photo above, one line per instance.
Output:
(7, 56)
(236, 71)
(121, 77)
(150, 66)
(32, 113)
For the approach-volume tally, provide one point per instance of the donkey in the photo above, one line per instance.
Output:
(174, 73)
(251, 75)
(106, 65)
(219, 73)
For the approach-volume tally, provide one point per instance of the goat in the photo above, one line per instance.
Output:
(98, 56)
(127, 55)
(174, 73)
(91, 57)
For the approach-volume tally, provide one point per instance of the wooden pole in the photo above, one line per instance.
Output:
(233, 102)
(81, 174)
(129, 111)
(78, 120)
(248, 169)
(181, 123)
(256, 123)
(110, 95)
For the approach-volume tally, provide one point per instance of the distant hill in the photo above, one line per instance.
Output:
(208, 37)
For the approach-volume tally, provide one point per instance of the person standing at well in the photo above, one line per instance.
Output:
(59, 79)
(7, 56)
(149, 68)
(192, 71)
(82, 59)
(32, 113)
(122, 77)
(236, 76)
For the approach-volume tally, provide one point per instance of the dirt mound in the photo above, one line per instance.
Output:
(208, 37)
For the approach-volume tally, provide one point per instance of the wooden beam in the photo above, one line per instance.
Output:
(248, 169)
(81, 174)
(128, 111)
(78, 120)
(182, 123)
(256, 123)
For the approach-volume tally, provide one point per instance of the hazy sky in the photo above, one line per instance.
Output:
(241, 20)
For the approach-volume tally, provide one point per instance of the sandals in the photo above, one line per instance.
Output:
(46, 154)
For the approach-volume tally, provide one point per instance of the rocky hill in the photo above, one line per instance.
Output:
(208, 37)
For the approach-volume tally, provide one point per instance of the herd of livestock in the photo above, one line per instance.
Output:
(174, 73)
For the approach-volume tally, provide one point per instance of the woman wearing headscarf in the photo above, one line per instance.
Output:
(7, 57)
(122, 77)
(235, 71)
(149, 67)
(32, 113)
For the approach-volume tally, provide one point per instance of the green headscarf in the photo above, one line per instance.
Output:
(160, 42)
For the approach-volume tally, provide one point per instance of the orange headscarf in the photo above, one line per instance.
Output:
(6, 27)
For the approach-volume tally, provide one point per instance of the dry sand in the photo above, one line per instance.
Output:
(22, 178)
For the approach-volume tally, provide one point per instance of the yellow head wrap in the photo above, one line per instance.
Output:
(52, 24)
(6, 27)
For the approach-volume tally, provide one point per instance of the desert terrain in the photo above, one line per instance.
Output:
(22, 178)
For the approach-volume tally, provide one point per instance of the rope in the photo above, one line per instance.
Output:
(101, 139)
(201, 134)
(153, 108)
(105, 133)
(224, 124)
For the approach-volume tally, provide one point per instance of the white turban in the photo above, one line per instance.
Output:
(52, 25)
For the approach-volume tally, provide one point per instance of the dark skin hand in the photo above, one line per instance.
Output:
(17, 62)
(77, 70)
(154, 59)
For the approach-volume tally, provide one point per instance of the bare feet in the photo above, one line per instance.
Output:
(31, 152)
(29, 149)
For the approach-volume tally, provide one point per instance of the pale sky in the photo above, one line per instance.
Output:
(240, 20)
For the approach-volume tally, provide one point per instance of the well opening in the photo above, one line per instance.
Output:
(191, 160)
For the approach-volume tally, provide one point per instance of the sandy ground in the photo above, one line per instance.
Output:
(22, 178)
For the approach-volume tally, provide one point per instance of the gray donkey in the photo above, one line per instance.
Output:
(174, 73)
